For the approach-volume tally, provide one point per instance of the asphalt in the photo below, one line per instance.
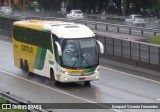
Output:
(151, 22)
(5, 36)
(113, 86)
(121, 35)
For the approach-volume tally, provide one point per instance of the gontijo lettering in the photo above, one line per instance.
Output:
(26, 48)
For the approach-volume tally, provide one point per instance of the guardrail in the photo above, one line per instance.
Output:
(132, 30)
(139, 54)
(108, 26)
(135, 53)
(104, 17)
(14, 100)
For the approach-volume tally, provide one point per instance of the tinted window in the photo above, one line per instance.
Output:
(138, 17)
(78, 12)
(33, 37)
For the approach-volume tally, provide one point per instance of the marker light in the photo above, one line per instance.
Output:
(96, 77)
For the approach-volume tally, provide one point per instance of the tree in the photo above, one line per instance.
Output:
(118, 6)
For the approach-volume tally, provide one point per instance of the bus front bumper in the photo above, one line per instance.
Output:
(70, 78)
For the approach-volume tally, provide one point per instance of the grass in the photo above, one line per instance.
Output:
(154, 40)
(16, 110)
(3, 101)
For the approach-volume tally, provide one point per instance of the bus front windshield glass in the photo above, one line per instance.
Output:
(79, 53)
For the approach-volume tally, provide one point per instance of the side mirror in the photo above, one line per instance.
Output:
(58, 48)
(100, 46)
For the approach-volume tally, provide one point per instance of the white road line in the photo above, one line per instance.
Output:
(5, 42)
(97, 81)
(45, 86)
(158, 99)
(141, 77)
(54, 89)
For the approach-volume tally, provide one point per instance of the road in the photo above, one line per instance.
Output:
(113, 87)
(112, 28)
(117, 30)
(150, 22)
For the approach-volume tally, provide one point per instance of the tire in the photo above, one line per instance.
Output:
(87, 83)
(21, 64)
(26, 67)
(53, 77)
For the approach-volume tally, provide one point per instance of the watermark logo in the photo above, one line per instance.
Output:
(6, 106)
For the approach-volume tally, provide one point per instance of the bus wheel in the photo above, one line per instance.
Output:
(53, 77)
(26, 67)
(21, 64)
(87, 83)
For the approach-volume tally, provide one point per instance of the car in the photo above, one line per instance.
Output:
(75, 14)
(6, 10)
(136, 20)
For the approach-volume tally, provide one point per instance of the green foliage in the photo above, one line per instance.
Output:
(15, 110)
(2, 100)
(154, 39)
(98, 6)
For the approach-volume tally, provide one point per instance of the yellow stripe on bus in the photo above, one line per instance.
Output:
(74, 71)
(23, 51)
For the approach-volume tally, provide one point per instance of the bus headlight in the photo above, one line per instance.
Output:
(96, 77)
(69, 73)
(66, 78)
(66, 73)
(63, 71)
(97, 70)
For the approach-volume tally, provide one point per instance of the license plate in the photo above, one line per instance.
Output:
(82, 78)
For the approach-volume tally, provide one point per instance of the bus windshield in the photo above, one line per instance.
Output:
(79, 53)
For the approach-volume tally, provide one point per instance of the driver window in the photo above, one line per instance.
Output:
(70, 52)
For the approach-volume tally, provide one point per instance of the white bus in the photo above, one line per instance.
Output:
(65, 52)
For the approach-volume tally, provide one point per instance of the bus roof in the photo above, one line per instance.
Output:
(59, 28)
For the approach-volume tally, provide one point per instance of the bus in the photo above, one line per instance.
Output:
(62, 51)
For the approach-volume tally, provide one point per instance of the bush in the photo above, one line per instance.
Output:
(154, 40)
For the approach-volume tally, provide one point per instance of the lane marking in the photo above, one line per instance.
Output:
(5, 42)
(158, 99)
(97, 81)
(45, 86)
(56, 90)
(141, 77)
